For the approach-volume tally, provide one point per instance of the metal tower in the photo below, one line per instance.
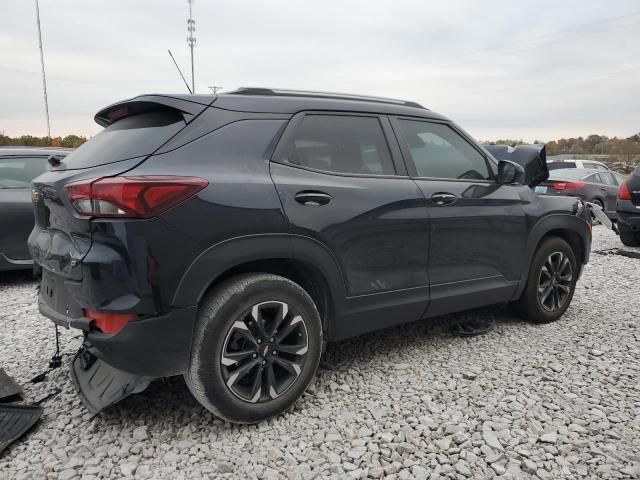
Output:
(191, 41)
(44, 79)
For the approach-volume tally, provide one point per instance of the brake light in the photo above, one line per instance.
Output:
(569, 185)
(131, 197)
(109, 322)
(623, 192)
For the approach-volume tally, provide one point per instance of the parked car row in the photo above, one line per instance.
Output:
(596, 186)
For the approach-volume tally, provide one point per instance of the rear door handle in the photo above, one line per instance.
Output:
(313, 198)
(443, 198)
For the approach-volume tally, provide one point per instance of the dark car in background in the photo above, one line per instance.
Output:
(228, 237)
(599, 187)
(628, 209)
(18, 167)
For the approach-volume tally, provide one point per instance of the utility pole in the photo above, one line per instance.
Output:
(44, 79)
(191, 41)
(215, 89)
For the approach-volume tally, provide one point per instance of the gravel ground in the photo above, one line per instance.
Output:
(524, 401)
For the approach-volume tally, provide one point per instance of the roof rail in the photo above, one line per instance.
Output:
(281, 92)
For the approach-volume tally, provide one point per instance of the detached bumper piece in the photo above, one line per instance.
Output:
(8, 387)
(15, 421)
(598, 214)
(100, 385)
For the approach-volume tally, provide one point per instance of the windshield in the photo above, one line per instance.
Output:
(560, 165)
(17, 172)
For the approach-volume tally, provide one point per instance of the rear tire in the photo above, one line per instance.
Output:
(551, 282)
(256, 347)
(627, 236)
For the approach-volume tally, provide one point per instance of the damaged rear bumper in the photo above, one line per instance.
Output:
(109, 368)
(99, 384)
(155, 346)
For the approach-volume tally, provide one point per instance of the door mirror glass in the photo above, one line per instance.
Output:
(510, 172)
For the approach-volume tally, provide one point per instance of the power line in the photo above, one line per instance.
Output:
(44, 78)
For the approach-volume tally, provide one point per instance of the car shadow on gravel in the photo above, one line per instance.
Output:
(16, 278)
(169, 400)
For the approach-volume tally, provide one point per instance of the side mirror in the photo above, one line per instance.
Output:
(510, 172)
(532, 158)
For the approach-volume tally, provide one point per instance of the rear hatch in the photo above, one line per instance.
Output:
(134, 130)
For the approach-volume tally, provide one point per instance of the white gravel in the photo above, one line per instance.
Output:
(524, 401)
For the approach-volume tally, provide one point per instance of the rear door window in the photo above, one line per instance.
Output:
(17, 172)
(607, 178)
(340, 144)
(618, 177)
(595, 178)
(438, 151)
(129, 137)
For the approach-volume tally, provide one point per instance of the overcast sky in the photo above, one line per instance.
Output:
(527, 69)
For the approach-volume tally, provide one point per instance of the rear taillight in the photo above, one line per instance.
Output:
(131, 197)
(569, 185)
(623, 192)
(109, 322)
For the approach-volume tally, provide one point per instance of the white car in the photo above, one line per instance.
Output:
(575, 163)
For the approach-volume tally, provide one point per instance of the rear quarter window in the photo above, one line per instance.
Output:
(129, 137)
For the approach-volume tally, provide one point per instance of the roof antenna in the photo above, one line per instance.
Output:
(179, 71)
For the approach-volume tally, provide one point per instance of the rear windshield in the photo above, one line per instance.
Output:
(130, 137)
(558, 165)
(568, 174)
(17, 172)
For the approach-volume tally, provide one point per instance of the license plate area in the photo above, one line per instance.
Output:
(541, 189)
(54, 293)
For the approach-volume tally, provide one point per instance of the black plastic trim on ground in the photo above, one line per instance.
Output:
(8, 387)
(15, 421)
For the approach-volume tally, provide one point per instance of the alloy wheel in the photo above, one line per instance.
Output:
(554, 282)
(264, 351)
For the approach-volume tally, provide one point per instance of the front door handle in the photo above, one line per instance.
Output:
(443, 198)
(313, 198)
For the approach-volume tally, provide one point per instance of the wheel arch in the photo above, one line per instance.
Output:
(313, 268)
(575, 231)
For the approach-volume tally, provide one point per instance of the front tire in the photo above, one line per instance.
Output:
(627, 236)
(551, 282)
(256, 347)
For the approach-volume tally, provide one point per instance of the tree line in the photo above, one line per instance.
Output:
(590, 145)
(70, 141)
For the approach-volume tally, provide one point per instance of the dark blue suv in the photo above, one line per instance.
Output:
(227, 238)
(628, 209)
